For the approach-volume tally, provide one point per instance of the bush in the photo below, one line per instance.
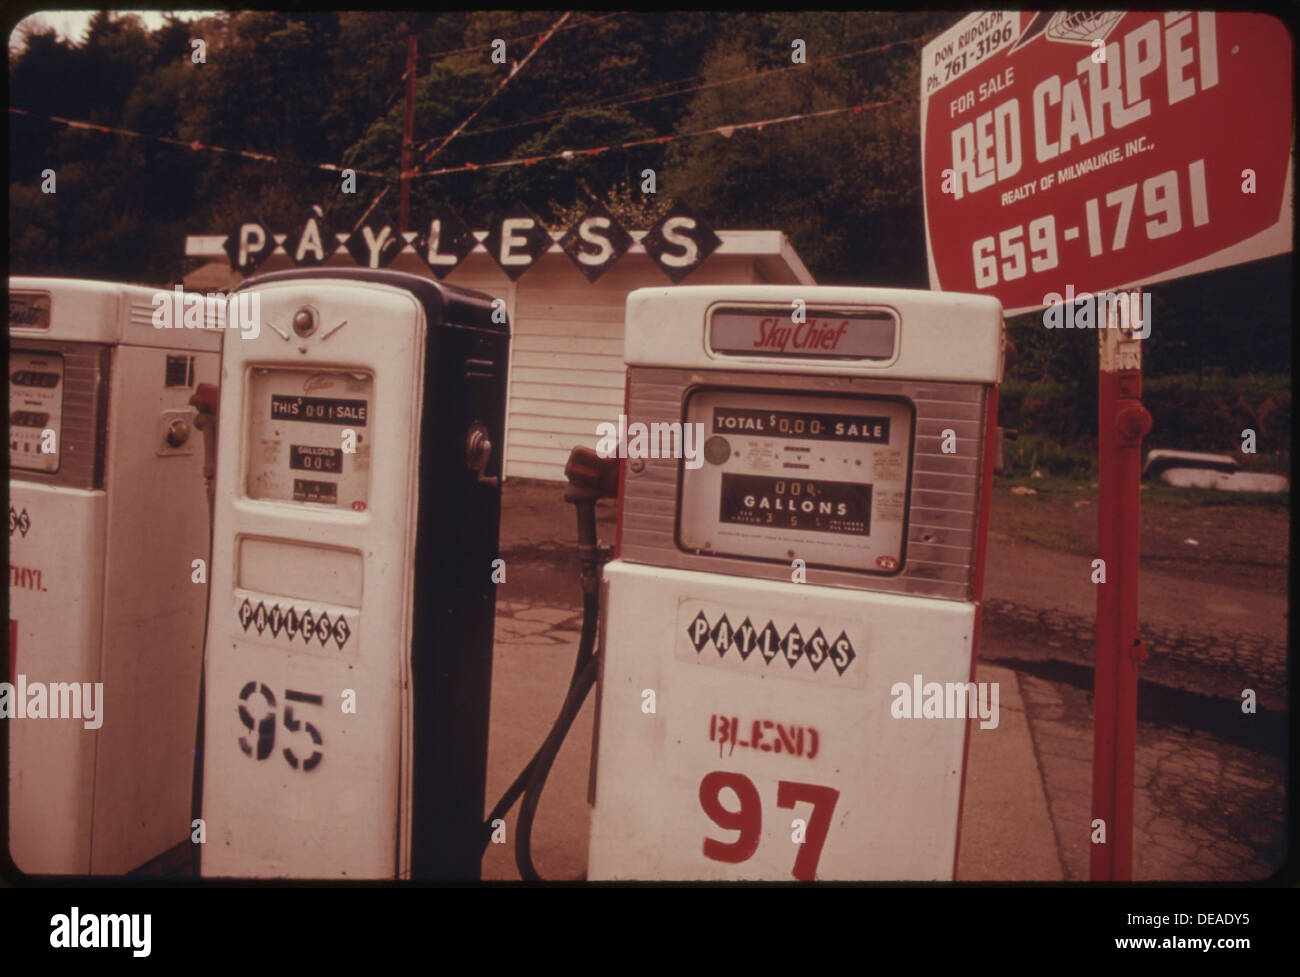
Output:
(1037, 452)
(1188, 413)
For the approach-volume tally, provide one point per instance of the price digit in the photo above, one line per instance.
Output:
(293, 725)
(265, 726)
(748, 820)
(788, 794)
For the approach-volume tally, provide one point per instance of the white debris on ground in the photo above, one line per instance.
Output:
(1199, 469)
(1203, 478)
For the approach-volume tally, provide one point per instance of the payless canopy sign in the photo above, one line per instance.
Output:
(1104, 150)
(678, 242)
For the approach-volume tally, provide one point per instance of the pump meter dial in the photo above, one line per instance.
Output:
(782, 476)
(308, 438)
(35, 407)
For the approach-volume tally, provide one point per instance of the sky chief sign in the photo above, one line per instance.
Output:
(1103, 149)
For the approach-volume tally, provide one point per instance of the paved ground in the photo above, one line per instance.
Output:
(1206, 809)
(1210, 798)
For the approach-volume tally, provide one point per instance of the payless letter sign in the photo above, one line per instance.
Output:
(1044, 164)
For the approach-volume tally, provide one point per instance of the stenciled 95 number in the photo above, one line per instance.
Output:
(1012, 253)
(262, 743)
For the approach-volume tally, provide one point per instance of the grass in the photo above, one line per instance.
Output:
(1047, 517)
(1039, 518)
(1158, 493)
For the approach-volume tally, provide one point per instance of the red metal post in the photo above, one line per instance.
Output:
(1121, 423)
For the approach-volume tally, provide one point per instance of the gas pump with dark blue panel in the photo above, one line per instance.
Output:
(348, 664)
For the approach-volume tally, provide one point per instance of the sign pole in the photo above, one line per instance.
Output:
(1121, 423)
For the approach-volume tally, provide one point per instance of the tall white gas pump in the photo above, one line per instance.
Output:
(818, 547)
(107, 516)
(350, 631)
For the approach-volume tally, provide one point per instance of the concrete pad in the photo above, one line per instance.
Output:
(547, 615)
(529, 682)
(1006, 828)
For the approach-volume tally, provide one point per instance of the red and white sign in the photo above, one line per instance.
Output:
(1103, 150)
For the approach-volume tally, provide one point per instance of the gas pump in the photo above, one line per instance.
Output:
(106, 519)
(770, 593)
(350, 631)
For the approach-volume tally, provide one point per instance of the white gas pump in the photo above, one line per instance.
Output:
(107, 515)
(350, 632)
(771, 593)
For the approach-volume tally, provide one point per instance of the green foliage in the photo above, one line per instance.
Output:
(845, 188)
(633, 209)
(1233, 322)
(1188, 413)
(311, 88)
(1036, 452)
(326, 87)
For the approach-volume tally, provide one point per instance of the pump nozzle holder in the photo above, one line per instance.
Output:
(206, 400)
(589, 472)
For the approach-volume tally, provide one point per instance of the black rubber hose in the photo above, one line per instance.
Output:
(586, 644)
(209, 429)
(542, 767)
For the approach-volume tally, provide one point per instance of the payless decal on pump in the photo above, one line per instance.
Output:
(767, 641)
(297, 448)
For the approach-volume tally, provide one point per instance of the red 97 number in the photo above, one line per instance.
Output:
(748, 819)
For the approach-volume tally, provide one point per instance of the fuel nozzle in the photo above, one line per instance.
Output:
(591, 477)
(589, 473)
(207, 401)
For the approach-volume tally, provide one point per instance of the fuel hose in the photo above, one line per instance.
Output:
(591, 478)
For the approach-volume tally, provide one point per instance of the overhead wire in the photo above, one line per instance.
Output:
(514, 70)
(440, 55)
(617, 101)
(726, 130)
(723, 129)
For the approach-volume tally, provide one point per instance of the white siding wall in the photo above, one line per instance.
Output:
(567, 356)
